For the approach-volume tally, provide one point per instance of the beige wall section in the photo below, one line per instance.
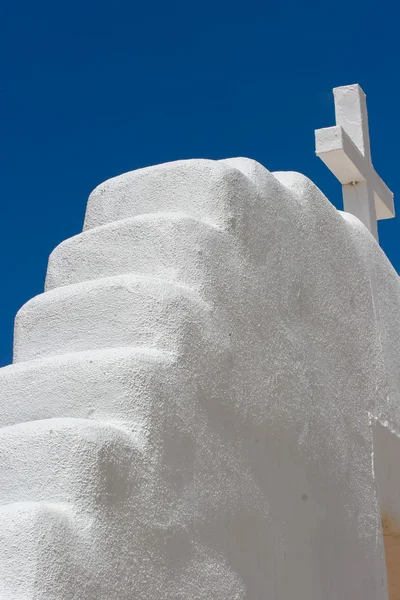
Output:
(387, 473)
(391, 536)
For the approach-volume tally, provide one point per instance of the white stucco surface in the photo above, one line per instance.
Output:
(190, 413)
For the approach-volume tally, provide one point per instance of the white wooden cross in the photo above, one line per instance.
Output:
(346, 152)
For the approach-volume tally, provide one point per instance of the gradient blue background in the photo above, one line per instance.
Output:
(92, 89)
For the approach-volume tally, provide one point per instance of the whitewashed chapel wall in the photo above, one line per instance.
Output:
(189, 410)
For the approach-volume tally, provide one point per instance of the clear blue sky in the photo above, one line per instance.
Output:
(91, 89)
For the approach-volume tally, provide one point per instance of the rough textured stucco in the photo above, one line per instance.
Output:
(190, 413)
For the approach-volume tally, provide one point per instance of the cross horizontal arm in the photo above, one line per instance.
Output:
(335, 148)
(384, 200)
(340, 154)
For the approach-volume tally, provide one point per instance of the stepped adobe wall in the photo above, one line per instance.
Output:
(191, 409)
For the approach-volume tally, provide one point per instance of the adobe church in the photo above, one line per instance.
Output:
(205, 401)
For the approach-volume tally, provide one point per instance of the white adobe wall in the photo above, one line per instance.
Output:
(189, 412)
